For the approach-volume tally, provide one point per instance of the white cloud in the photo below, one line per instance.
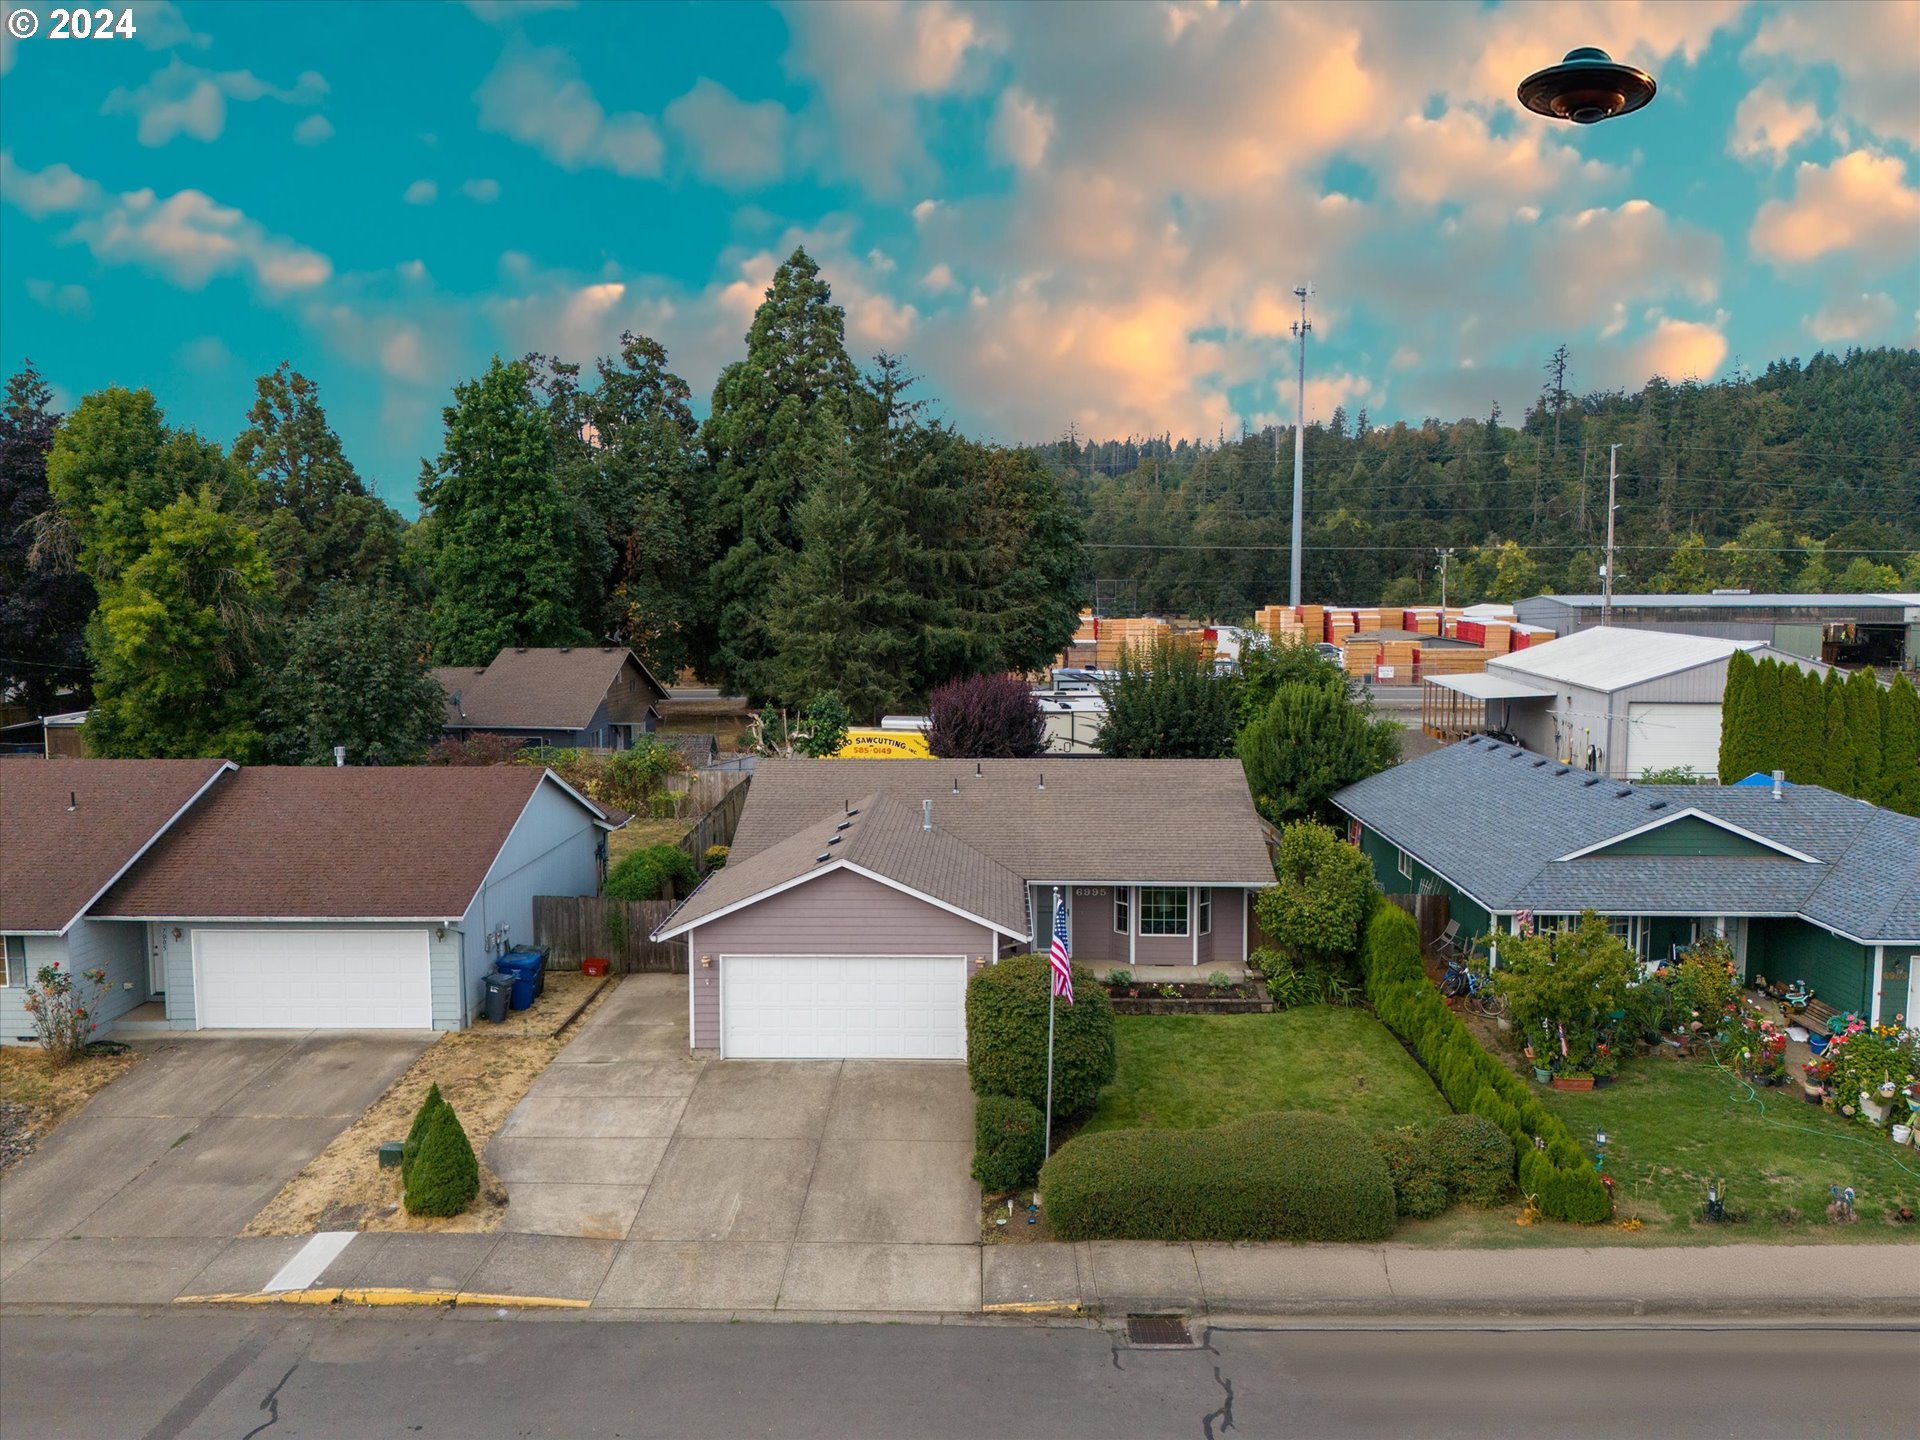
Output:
(1865, 316)
(481, 192)
(1874, 48)
(1022, 128)
(1860, 203)
(537, 97)
(1589, 263)
(207, 355)
(1677, 350)
(729, 140)
(191, 238)
(1769, 123)
(1456, 158)
(939, 279)
(182, 99)
(314, 130)
(53, 191)
(502, 12)
(159, 25)
(421, 192)
(66, 299)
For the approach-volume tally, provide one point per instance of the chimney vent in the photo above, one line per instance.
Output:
(926, 814)
(1779, 783)
(339, 756)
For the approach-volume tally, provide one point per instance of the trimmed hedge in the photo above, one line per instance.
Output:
(445, 1176)
(1007, 1036)
(1009, 1140)
(1560, 1178)
(1293, 1175)
(1461, 1158)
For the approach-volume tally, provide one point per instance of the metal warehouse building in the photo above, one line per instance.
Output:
(1847, 630)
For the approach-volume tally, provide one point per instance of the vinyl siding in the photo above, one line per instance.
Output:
(841, 913)
(1474, 918)
(1690, 836)
(115, 947)
(1840, 972)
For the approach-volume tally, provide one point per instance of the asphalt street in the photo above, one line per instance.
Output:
(244, 1375)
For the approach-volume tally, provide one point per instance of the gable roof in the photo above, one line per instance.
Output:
(338, 843)
(1179, 822)
(54, 862)
(881, 838)
(537, 689)
(1497, 821)
(1612, 657)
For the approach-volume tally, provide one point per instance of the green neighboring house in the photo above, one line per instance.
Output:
(1807, 884)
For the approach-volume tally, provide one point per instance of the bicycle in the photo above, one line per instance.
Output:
(1463, 983)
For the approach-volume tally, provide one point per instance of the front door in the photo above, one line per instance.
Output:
(1898, 978)
(156, 961)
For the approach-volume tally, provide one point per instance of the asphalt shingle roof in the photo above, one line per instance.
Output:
(54, 860)
(881, 835)
(321, 842)
(536, 689)
(1495, 821)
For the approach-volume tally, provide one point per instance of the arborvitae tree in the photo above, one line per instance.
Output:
(1866, 719)
(1900, 749)
(320, 524)
(1838, 772)
(1310, 743)
(44, 598)
(1770, 728)
(1738, 750)
(499, 530)
(1803, 703)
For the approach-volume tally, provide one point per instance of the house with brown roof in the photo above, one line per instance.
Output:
(859, 895)
(288, 897)
(596, 697)
(68, 830)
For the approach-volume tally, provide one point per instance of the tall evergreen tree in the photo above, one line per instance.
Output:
(320, 522)
(44, 598)
(1900, 749)
(499, 529)
(1866, 720)
(1738, 748)
(1838, 771)
(1770, 726)
(1803, 704)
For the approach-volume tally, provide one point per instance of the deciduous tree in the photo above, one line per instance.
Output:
(1310, 743)
(354, 674)
(1166, 701)
(44, 598)
(985, 716)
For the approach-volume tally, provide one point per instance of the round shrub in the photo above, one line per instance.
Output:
(1009, 1138)
(1475, 1156)
(444, 1176)
(1293, 1175)
(1007, 1036)
(1419, 1184)
(650, 874)
(716, 857)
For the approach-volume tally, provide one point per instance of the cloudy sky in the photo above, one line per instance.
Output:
(1058, 213)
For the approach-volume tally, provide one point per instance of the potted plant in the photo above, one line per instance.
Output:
(1873, 1109)
(1573, 1080)
(1605, 1066)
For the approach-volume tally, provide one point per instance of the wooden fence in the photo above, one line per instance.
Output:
(1430, 913)
(569, 927)
(703, 790)
(716, 827)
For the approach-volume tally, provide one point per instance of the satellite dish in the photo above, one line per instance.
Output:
(1587, 87)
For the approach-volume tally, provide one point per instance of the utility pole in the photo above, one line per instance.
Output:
(1300, 330)
(1445, 555)
(1606, 575)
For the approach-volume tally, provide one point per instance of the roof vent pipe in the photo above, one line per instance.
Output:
(1043, 781)
(977, 772)
(1779, 783)
(73, 801)
(339, 756)
(926, 814)
(956, 787)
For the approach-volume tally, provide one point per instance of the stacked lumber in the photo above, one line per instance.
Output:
(1499, 636)
(1120, 635)
(1360, 656)
(1340, 626)
(1313, 622)
(1402, 657)
(1454, 660)
(1089, 627)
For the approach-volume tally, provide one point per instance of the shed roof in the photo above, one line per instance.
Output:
(1490, 687)
(55, 861)
(1496, 820)
(322, 842)
(557, 688)
(1609, 658)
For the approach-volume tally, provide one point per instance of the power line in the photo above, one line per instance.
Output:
(1768, 550)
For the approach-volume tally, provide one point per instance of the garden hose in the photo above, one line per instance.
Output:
(1767, 1116)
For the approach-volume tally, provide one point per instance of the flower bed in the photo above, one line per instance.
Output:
(1246, 997)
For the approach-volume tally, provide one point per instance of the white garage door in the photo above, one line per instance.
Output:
(820, 1007)
(312, 979)
(1659, 737)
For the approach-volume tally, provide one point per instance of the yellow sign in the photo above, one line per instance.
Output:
(884, 745)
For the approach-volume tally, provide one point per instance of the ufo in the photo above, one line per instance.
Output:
(1586, 87)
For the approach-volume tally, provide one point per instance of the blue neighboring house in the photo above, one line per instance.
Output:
(1807, 884)
(596, 697)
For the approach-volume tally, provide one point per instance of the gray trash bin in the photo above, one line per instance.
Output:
(499, 994)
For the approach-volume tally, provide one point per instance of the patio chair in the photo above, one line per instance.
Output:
(1447, 942)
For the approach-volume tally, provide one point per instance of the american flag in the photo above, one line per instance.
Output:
(1059, 957)
(1524, 920)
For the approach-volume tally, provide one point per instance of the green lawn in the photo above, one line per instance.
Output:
(1673, 1125)
(1186, 1072)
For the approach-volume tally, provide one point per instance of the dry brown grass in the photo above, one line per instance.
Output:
(640, 832)
(483, 1073)
(35, 1095)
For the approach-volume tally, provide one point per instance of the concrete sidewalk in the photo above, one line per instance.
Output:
(728, 1282)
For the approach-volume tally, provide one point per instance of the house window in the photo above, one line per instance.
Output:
(1406, 864)
(13, 958)
(1122, 917)
(1163, 910)
(1206, 912)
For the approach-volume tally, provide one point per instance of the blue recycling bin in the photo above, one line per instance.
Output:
(524, 969)
(539, 958)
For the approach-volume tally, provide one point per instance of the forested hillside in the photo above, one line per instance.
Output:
(1805, 477)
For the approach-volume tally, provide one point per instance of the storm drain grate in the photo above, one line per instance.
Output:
(1157, 1330)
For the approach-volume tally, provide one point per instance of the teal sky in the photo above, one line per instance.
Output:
(1058, 214)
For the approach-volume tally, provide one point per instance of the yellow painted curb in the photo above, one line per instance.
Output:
(1033, 1307)
(383, 1296)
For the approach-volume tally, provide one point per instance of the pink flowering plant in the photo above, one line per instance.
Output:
(1880, 1061)
(63, 1014)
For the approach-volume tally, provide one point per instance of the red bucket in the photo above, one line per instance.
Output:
(593, 965)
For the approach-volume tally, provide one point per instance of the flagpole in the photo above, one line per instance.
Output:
(1046, 1144)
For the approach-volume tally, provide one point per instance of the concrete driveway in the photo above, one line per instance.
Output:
(187, 1146)
(742, 1184)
